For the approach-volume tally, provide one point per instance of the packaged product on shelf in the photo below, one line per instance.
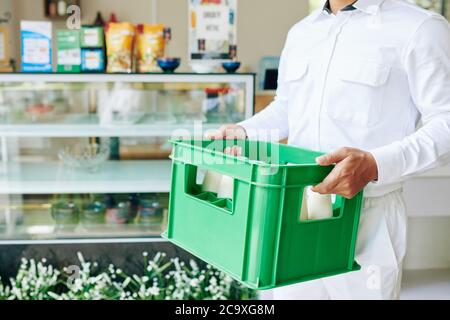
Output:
(4, 49)
(119, 47)
(149, 211)
(150, 46)
(62, 8)
(68, 51)
(92, 37)
(93, 214)
(92, 60)
(99, 21)
(36, 40)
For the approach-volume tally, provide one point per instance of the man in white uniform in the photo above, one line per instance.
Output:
(369, 82)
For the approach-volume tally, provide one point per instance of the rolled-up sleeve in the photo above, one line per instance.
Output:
(427, 64)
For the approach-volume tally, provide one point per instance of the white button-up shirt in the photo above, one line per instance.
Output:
(365, 78)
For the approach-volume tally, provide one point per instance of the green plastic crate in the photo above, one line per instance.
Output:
(257, 237)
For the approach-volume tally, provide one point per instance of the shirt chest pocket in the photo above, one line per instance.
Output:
(298, 87)
(358, 94)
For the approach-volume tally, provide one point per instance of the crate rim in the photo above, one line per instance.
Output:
(244, 160)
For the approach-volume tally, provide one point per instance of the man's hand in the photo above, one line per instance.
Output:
(353, 171)
(228, 132)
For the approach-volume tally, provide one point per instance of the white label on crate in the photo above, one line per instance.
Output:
(36, 51)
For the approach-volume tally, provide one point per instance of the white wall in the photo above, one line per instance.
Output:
(428, 243)
(262, 24)
(429, 223)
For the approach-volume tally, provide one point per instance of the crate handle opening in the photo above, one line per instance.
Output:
(211, 187)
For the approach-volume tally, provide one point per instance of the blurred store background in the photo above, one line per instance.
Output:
(84, 155)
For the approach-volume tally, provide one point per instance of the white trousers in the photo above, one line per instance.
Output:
(380, 249)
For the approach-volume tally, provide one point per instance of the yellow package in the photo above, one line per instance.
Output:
(150, 46)
(119, 47)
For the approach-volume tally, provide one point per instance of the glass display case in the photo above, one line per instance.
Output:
(85, 157)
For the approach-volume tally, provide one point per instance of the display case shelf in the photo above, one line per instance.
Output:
(69, 130)
(78, 240)
(151, 176)
(50, 232)
(161, 77)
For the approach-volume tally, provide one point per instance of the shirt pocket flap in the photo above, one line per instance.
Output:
(370, 74)
(296, 70)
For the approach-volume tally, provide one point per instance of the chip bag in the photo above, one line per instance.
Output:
(150, 46)
(119, 47)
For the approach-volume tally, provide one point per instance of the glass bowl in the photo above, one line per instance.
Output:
(87, 157)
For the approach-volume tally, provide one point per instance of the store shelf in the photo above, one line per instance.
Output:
(32, 242)
(51, 233)
(113, 177)
(132, 77)
(88, 126)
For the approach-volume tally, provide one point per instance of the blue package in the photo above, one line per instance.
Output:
(92, 60)
(36, 40)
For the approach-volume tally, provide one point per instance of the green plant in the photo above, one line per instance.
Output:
(34, 281)
(162, 279)
(174, 280)
(4, 291)
(87, 283)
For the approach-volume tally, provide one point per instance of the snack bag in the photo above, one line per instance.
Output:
(150, 46)
(119, 47)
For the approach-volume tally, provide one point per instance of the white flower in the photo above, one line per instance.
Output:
(194, 282)
(80, 257)
(126, 282)
(36, 280)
